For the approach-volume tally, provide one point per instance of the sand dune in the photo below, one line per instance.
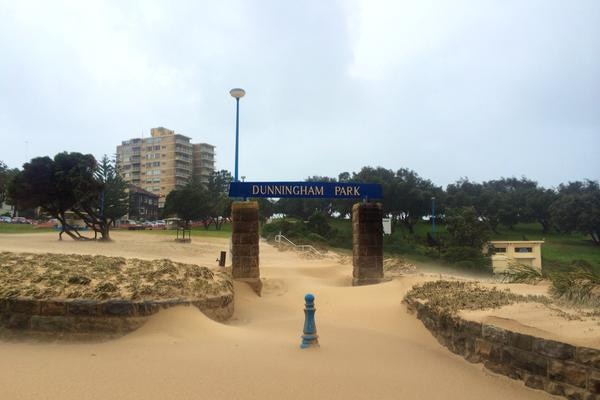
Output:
(370, 347)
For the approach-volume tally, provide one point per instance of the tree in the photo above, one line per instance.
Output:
(219, 202)
(191, 203)
(303, 208)
(56, 186)
(113, 200)
(3, 181)
(465, 229)
(406, 196)
(578, 209)
(71, 182)
(538, 202)
(6, 175)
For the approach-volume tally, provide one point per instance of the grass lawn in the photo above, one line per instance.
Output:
(22, 228)
(225, 231)
(558, 248)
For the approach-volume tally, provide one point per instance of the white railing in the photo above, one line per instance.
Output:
(305, 249)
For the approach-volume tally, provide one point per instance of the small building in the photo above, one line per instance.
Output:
(526, 252)
(143, 205)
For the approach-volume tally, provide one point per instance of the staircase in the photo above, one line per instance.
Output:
(305, 249)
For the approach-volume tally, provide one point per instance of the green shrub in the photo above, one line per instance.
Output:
(521, 273)
(580, 285)
(466, 257)
(341, 239)
(318, 223)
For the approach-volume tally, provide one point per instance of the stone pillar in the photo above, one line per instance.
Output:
(244, 243)
(367, 243)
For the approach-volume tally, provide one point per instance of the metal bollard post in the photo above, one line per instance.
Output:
(222, 258)
(310, 337)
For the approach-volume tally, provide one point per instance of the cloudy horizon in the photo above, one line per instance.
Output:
(453, 89)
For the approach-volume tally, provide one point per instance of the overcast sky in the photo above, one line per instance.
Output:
(450, 89)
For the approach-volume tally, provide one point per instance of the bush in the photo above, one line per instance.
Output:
(580, 285)
(341, 239)
(319, 224)
(520, 273)
(466, 257)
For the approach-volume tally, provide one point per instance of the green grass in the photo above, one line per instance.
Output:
(22, 228)
(225, 231)
(558, 250)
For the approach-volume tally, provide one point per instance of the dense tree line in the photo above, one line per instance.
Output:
(500, 202)
(73, 181)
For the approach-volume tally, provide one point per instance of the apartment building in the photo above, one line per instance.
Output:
(143, 205)
(163, 162)
(203, 161)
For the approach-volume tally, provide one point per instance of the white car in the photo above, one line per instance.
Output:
(6, 220)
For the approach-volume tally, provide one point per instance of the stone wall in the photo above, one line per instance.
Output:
(244, 240)
(556, 367)
(93, 319)
(367, 243)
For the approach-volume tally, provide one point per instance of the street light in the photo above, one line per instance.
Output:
(238, 94)
(432, 216)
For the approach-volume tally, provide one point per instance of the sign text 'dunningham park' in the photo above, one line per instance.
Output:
(322, 190)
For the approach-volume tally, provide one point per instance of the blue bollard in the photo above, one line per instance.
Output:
(310, 337)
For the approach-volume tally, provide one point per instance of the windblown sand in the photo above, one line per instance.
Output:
(371, 348)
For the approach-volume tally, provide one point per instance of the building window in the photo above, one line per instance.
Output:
(156, 147)
(523, 250)
(500, 250)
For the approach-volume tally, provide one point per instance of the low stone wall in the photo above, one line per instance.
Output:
(93, 319)
(556, 367)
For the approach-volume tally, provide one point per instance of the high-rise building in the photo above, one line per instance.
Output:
(203, 161)
(163, 162)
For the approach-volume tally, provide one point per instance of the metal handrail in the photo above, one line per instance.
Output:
(302, 248)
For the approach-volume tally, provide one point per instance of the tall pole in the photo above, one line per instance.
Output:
(433, 216)
(237, 93)
(237, 136)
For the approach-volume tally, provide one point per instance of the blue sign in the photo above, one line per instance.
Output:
(312, 190)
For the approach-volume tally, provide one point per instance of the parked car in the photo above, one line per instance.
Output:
(148, 225)
(132, 225)
(20, 220)
(5, 220)
(159, 224)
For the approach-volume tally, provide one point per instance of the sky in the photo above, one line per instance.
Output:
(451, 89)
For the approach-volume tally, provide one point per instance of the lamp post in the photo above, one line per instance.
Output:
(238, 94)
(433, 216)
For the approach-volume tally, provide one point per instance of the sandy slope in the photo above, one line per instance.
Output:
(370, 347)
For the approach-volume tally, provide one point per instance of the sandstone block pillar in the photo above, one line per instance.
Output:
(367, 243)
(244, 243)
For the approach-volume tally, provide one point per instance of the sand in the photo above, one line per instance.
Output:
(371, 348)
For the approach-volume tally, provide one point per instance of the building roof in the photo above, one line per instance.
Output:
(137, 189)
